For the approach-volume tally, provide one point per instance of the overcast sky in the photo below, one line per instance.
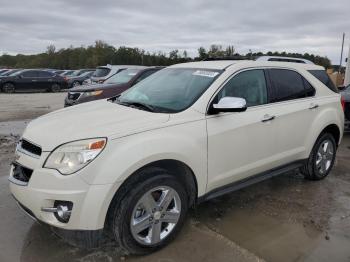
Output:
(315, 26)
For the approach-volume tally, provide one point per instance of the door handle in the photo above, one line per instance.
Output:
(313, 106)
(268, 118)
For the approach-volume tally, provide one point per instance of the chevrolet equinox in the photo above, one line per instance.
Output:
(131, 166)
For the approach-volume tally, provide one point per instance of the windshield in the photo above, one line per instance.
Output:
(101, 72)
(170, 90)
(122, 77)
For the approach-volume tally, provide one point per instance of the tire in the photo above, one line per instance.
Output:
(142, 202)
(55, 88)
(76, 83)
(321, 159)
(8, 88)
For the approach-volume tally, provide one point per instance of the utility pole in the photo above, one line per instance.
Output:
(341, 55)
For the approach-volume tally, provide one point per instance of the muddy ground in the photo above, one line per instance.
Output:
(283, 219)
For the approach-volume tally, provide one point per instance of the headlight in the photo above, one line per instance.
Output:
(71, 157)
(93, 93)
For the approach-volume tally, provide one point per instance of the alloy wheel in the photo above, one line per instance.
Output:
(324, 157)
(155, 215)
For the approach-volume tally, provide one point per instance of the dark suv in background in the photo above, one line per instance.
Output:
(113, 86)
(32, 80)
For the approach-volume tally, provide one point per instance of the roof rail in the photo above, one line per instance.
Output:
(284, 59)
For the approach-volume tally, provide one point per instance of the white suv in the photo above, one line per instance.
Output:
(132, 166)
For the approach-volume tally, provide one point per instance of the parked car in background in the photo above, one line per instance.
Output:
(32, 80)
(132, 166)
(73, 81)
(10, 72)
(3, 71)
(80, 72)
(113, 86)
(104, 72)
(67, 73)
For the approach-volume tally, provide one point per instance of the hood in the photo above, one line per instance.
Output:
(87, 88)
(94, 119)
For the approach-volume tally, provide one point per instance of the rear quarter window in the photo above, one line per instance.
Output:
(324, 78)
(288, 85)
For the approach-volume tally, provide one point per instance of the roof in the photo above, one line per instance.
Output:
(223, 64)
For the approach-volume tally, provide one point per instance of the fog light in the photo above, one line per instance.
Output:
(63, 210)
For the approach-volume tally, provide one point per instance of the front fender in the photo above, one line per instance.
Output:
(122, 157)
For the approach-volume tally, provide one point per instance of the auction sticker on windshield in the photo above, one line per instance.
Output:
(210, 74)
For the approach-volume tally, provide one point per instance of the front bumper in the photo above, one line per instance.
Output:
(45, 186)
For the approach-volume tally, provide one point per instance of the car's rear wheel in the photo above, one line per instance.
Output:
(8, 88)
(321, 159)
(55, 88)
(151, 214)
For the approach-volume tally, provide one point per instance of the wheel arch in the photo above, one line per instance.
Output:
(334, 130)
(175, 167)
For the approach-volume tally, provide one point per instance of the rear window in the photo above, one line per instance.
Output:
(324, 78)
(101, 72)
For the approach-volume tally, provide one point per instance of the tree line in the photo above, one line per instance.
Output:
(102, 53)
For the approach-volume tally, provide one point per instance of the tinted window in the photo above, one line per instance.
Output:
(287, 85)
(250, 85)
(44, 74)
(101, 72)
(29, 74)
(324, 78)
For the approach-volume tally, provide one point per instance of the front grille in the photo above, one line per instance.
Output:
(73, 96)
(30, 147)
(21, 173)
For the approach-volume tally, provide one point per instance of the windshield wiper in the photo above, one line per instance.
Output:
(137, 105)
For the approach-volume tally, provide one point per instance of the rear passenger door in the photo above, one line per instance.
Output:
(294, 106)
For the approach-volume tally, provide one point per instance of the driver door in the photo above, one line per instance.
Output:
(241, 144)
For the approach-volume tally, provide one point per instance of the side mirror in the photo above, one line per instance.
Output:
(230, 104)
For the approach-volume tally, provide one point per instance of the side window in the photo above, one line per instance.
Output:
(44, 74)
(287, 85)
(29, 74)
(250, 85)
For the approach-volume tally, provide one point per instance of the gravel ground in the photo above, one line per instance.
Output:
(283, 219)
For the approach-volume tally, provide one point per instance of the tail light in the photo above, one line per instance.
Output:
(342, 101)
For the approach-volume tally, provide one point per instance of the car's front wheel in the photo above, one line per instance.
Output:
(321, 159)
(150, 214)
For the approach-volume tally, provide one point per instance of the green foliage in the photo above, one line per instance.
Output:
(102, 53)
